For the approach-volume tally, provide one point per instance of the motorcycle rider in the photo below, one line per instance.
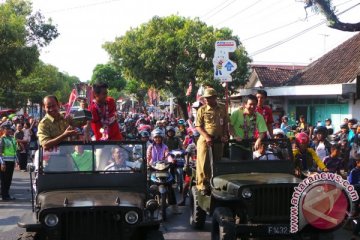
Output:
(181, 133)
(173, 142)
(145, 137)
(305, 157)
(158, 152)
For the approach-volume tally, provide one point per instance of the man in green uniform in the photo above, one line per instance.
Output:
(246, 123)
(212, 124)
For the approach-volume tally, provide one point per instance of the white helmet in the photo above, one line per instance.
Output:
(157, 132)
(278, 131)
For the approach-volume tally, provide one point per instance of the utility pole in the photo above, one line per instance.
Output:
(324, 36)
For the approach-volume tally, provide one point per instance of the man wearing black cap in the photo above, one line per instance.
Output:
(7, 161)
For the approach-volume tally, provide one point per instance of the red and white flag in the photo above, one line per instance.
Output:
(189, 90)
(72, 99)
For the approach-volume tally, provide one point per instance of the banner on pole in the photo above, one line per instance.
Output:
(223, 66)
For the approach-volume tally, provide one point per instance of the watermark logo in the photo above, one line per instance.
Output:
(322, 200)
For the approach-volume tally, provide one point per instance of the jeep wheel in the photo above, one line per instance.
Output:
(197, 215)
(154, 235)
(219, 230)
(29, 236)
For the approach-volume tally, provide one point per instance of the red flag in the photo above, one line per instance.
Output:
(189, 90)
(72, 99)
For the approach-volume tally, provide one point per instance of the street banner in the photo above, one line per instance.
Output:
(223, 66)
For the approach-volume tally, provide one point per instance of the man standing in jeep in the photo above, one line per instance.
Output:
(212, 124)
(246, 123)
(54, 127)
(103, 108)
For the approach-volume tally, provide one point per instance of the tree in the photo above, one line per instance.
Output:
(107, 73)
(138, 90)
(22, 34)
(325, 7)
(167, 53)
(45, 79)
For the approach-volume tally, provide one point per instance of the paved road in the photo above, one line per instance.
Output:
(176, 227)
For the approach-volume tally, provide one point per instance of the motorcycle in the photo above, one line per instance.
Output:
(178, 158)
(161, 181)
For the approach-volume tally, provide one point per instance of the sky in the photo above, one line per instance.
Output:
(85, 25)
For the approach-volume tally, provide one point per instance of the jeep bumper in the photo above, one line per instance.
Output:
(261, 230)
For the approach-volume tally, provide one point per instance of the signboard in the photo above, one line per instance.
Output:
(223, 66)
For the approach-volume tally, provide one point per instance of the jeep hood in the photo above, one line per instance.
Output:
(90, 198)
(236, 181)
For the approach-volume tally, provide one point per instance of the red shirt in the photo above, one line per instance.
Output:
(105, 116)
(266, 112)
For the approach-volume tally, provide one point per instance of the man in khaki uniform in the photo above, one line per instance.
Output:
(54, 128)
(212, 124)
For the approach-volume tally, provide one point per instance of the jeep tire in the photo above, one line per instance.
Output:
(220, 230)
(197, 215)
(154, 235)
(29, 236)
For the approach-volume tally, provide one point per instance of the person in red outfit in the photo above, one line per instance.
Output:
(104, 121)
(265, 110)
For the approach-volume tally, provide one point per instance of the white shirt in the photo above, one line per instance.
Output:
(321, 150)
(267, 156)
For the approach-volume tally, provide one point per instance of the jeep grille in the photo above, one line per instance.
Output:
(88, 223)
(271, 203)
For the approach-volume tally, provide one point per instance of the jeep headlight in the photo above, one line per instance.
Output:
(246, 193)
(131, 217)
(51, 220)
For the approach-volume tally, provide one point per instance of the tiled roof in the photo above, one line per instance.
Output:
(274, 76)
(340, 65)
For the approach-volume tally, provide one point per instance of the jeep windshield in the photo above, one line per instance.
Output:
(271, 149)
(77, 157)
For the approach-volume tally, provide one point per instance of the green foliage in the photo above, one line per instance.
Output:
(168, 53)
(44, 80)
(21, 35)
(108, 74)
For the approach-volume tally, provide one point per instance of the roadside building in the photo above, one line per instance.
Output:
(324, 89)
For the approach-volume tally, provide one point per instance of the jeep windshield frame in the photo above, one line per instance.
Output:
(234, 166)
(132, 179)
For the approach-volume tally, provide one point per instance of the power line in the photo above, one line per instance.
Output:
(237, 13)
(286, 39)
(213, 9)
(286, 25)
(271, 30)
(212, 15)
(296, 35)
(82, 6)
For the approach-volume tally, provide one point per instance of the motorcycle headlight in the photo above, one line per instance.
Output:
(131, 217)
(246, 193)
(51, 220)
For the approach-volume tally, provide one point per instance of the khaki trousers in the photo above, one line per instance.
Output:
(203, 164)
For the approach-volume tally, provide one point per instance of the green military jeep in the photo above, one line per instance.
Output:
(92, 191)
(249, 197)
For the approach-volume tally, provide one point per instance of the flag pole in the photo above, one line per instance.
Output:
(227, 97)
